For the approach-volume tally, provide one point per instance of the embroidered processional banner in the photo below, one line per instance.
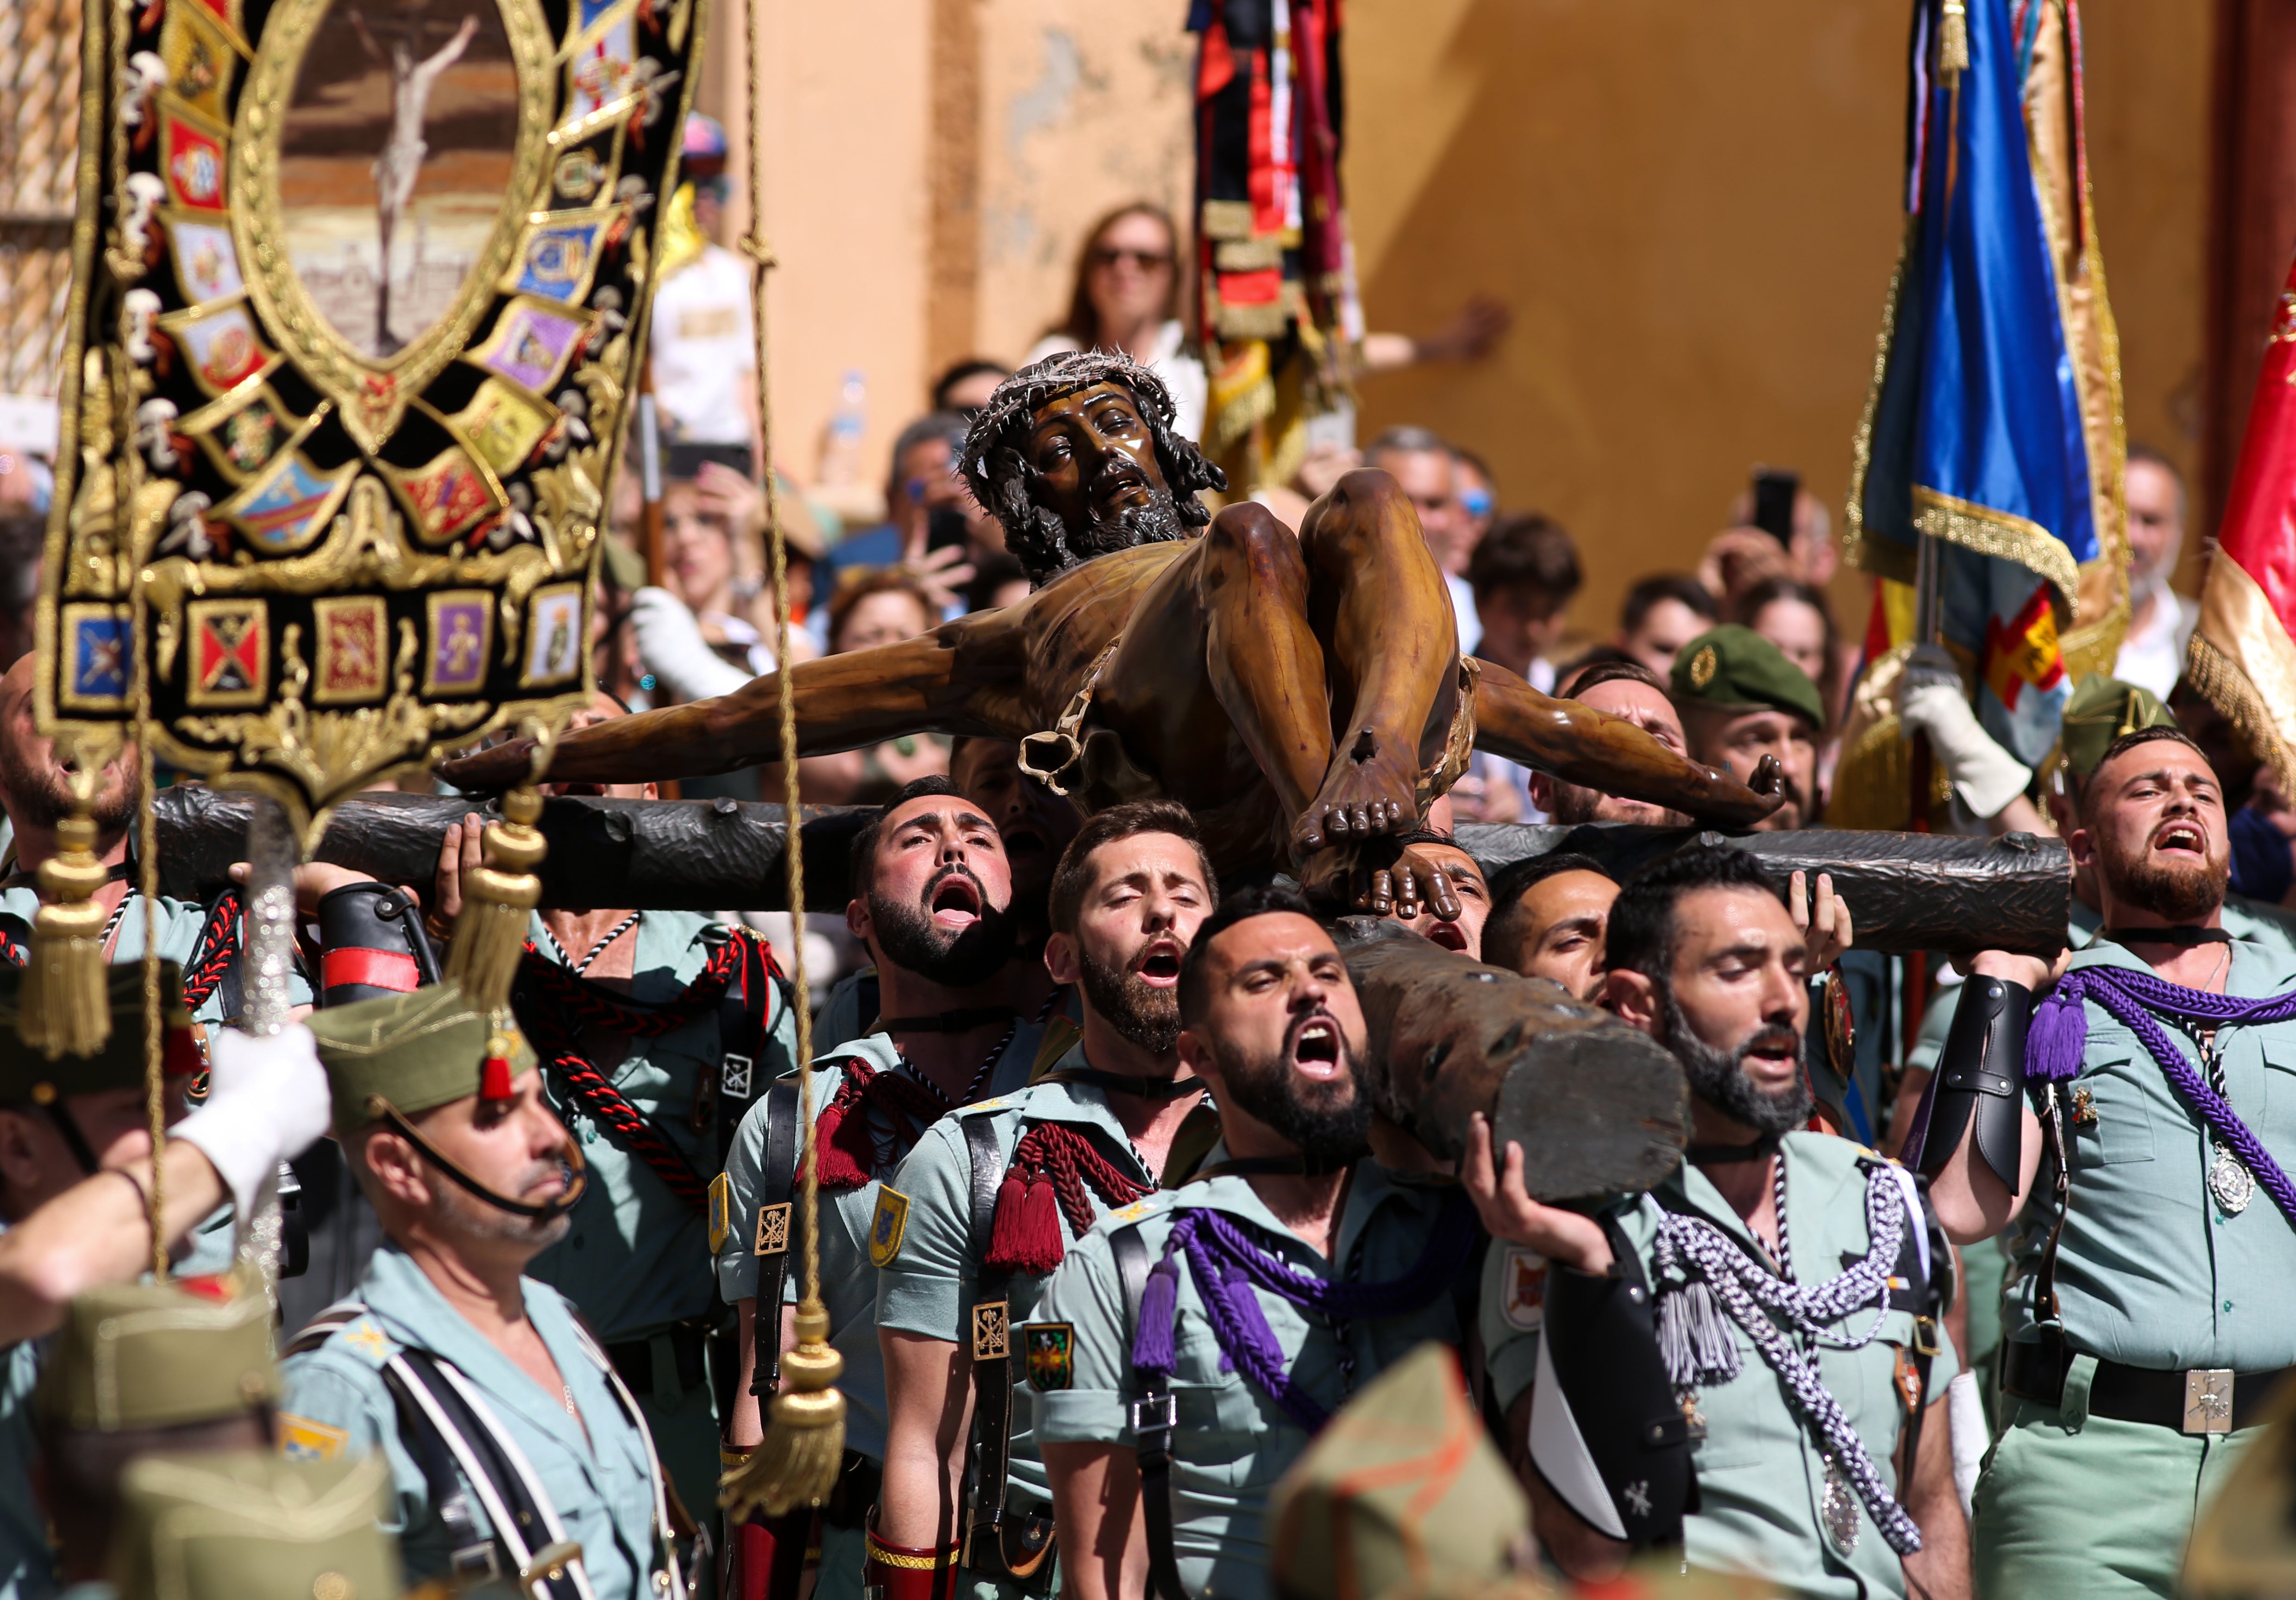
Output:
(358, 289)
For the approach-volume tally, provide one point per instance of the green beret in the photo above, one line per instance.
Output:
(149, 1356)
(2100, 710)
(1401, 1488)
(1734, 668)
(28, 1074)
(246, 1525)
(419, 1049)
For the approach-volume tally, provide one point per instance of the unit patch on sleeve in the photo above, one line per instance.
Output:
(302, 1439)
(721, 1211)
(1052, 1354)
(1524, 1289)
(885, 1226)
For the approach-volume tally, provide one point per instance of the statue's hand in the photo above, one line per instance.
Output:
(1382, 878)
(1770, 776)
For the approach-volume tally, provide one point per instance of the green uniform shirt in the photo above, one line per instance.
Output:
(2151, 1270)
(849, 1276)
(930, 1284)
(1761, 1473)
(180, 922)
(1233, 1441)
(333, 1402)
(638, 1259)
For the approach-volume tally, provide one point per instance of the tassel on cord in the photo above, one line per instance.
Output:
(497, 900)
(1952, 41)
(804, 1446)
(1025, 1234)
(2057, 1037)
(1153, 1346)
(66, 1008)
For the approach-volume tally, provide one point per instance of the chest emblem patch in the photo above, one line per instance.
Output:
(1524, 1296)
(1052, 1354)
(302, 1439)
(886, 1225)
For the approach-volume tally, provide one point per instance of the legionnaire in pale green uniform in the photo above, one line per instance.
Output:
(136, 1370)
(1735, 1360)
(928, 891)
(249, 1526)
(993, 1199)
(1140, 1357)
(78, 1131)
(2147, 1316)
(505, 1427)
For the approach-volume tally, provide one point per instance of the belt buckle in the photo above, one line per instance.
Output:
(2208, 1401)
(1157, 1414)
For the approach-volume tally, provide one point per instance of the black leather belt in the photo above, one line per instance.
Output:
(634, 1358)
(2204, 1400)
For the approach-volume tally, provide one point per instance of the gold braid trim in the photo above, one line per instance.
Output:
(2228, 689)
(1884, 558)
(1991, 533)
(909, 1561)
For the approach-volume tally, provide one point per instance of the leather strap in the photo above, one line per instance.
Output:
(745, 1017)
(1153, 1418)
(384, 1111)
(1125, 1083)
(948, 1021)
(773, 1235)
(997, 1543)
(2036, 1373)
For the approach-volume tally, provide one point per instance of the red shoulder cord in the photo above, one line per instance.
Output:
(554, 1005)
(1045, 1182)
(213, 951)
(845, 1151)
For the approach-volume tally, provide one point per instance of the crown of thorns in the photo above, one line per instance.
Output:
(1004, 424)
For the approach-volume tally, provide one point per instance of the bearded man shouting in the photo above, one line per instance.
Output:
(2149, 1311)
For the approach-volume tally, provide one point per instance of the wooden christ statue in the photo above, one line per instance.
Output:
(1302, 695)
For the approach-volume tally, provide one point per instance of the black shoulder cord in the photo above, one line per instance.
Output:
(777, 1179)
(1154, 1417)
(996, 1544)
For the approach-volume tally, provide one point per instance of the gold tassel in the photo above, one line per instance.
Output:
(1952, 41)
(497, 900)
(67, 1009)
(805, 1436)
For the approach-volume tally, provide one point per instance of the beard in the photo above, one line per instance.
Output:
(2181, 894)
(1328, 1121)
(914, 943)
(41, 796)
(1717, 1074)
(1048, 550)
(1140, 1012)
(458, 1211)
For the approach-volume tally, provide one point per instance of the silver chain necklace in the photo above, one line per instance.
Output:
(597, 949)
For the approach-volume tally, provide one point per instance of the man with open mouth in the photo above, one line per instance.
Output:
(2129, 1131)
(657, 1030)
(1187, 1352)
(931, 900)
(1463, 933)
(1746, 1364)
(999, 1192)
(509, 1435)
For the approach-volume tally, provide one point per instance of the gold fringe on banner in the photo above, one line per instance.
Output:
(66, 1009)
(497, 900)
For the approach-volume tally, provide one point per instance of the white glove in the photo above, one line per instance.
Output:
(671, 646)
(267, 1101)
(1930, 701)
(1964, 1413)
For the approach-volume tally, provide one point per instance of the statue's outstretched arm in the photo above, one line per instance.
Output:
(843, 702)
(1607, 752)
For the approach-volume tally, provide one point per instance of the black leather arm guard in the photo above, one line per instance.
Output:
(371, 943)
(1606, 1431)
(1981, 1074)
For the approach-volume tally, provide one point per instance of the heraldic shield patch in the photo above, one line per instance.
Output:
(1052, 1354)
(885, 1226)
(359, 303)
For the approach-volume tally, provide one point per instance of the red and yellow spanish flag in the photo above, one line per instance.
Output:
(2243, 651)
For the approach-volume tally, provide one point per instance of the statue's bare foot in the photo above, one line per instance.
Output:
(1381, 878)
(1371, 789)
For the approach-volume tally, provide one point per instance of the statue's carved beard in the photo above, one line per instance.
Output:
(914, 943)
(2183, 894)
(1053, 550)
(1717, 1073)
(1327, 1120)
(1139, 1011)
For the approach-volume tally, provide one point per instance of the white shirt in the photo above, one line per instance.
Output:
(703, 354)
(1183, 374)
(2153, 656)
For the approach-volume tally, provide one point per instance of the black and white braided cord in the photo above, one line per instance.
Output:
(1697, 1350)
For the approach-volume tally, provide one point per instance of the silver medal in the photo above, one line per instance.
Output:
(1840, 1506)
(2231, 1182)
